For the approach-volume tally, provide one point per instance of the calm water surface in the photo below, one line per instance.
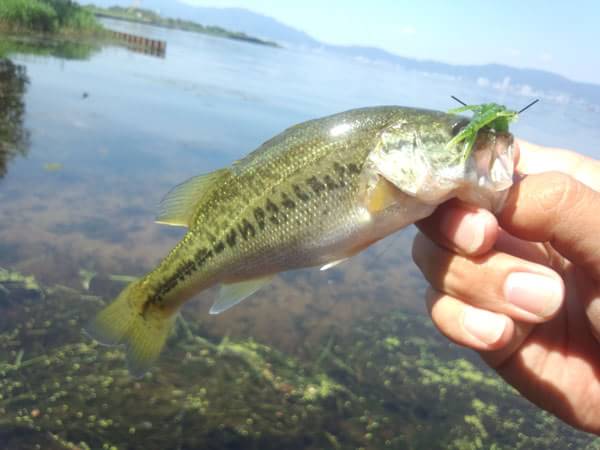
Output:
(102, 139)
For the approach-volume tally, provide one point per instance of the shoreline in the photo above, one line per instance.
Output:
(207, 30)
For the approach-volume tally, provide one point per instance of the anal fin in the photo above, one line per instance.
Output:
(233, 293)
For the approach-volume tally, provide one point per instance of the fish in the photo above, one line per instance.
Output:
(314, 195)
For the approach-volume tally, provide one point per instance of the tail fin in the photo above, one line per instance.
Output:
(125, 322)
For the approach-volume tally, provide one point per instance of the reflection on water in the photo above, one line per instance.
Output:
(65, 48)
(14, 138)
(333, 360)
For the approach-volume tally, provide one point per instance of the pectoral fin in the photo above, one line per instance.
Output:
(178, 206)
(332, 264)
(382, 195)
(233, 293)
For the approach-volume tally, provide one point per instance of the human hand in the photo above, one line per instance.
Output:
(523, 289)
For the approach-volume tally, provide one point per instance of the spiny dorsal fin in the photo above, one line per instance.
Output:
(233, 293)
(178, 206)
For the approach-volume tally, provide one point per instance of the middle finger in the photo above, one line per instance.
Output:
(495, 281)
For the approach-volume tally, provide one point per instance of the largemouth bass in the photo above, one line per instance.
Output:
(314, 195)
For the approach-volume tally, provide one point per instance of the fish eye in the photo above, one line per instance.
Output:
(459, 126)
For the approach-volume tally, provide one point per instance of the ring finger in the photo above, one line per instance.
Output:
(496, 335)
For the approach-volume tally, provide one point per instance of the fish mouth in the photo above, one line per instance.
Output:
(489, 137)
(492, 166)
(492, 148)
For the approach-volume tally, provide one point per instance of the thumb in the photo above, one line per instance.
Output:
(554, 207)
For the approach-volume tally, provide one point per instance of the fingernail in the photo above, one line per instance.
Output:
(483, 325)
(537, 294)
(467, 232)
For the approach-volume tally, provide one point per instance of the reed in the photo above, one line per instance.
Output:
(47, 16)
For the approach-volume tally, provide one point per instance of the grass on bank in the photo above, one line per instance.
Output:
(47, 16)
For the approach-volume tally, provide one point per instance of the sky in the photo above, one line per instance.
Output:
(562, 37)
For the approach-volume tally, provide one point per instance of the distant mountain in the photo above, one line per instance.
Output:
(238, 19)
(524, 80)
(234, 19)
(528, 81)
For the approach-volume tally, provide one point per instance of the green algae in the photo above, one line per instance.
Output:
(15, 285)
(53, 167)
(390, 383)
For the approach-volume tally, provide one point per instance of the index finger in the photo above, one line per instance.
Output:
(534, 159)
(461, 228)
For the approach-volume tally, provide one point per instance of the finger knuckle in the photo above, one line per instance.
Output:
(418, 249)
(561, 194)
(432, 260)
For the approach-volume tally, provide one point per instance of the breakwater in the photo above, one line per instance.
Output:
(142, 44)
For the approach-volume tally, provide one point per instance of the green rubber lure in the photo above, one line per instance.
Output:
(491, 115)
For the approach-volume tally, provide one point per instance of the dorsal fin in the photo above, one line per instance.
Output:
(178, 206)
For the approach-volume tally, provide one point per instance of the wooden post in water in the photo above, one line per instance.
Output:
(142, 44)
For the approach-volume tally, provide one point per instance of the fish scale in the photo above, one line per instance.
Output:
(277, 166)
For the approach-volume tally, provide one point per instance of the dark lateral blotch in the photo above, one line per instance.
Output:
(246, 229)
(231, 237)
(274, 210)
(316, 185)
(304, 196)
(259, 216)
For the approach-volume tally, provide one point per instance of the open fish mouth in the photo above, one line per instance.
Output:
(491, 170)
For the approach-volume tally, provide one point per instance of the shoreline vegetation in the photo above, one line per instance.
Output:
(63, 17)
(147, 17)
(69, 19)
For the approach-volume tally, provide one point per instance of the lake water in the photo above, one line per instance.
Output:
(341, 359)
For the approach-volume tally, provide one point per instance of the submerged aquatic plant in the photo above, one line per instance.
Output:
(489, 115)
(390, 383)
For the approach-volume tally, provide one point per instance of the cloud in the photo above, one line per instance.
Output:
(190, 2)
(408, 29)
(546, 57)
